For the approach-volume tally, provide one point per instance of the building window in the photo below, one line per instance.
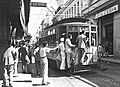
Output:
(78, 8)
(75, 10)
(72, 11)
(67, 14)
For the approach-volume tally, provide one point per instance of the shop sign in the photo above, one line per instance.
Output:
(106, 12)
(38, 4)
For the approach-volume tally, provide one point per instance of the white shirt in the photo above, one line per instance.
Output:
(61, 46)
(68, 45)
(8, 57)
(44, 51)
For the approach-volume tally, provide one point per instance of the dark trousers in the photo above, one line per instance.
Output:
(38, 67)
(80, 53)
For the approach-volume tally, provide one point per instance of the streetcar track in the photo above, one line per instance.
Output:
(80, 78)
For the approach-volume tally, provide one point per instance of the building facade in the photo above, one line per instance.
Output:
(106, 14)
(72, 8)
(14, 17)
(103, 13)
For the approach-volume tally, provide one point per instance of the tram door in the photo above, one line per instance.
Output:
(73, 30)
(74, 36)
(91, 33)
(91, 51)
(93, 37)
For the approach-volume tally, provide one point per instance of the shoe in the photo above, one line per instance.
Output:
(48, 82)
(45, 83)
(10, 85)
(39, 74)
(4, 86)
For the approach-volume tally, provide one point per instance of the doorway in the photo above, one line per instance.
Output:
(109, 38)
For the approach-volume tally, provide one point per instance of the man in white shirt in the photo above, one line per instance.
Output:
(44, 62)
(81, 39)
(69, 51)
(8, 60)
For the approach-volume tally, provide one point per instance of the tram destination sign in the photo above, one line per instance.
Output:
(38, 4)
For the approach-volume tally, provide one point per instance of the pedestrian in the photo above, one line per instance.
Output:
(37, 60)
(61, 46)
(44, 62)
(81, 39)
(23, 53)
(16, 59)
(69, 52)
(30, 53)
(8, 60)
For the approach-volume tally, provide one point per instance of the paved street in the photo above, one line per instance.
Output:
(110, 77)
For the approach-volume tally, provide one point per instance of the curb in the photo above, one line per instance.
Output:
(117, 61)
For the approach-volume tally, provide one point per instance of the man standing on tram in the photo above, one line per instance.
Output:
(69, 51)
(81, 39)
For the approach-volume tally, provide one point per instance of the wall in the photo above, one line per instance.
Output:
(4, 30)
(117, 35)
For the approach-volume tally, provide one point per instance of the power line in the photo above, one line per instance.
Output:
(37, 20)
(40, 15)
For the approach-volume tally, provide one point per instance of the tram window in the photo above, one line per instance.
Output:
(93, 28)
(87, 34)
(93, 39)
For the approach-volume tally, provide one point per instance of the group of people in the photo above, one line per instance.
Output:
(10, 60)
(38, 54)
(66, 50)
(16, 53)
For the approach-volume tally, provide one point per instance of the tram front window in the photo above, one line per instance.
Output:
(93, 39)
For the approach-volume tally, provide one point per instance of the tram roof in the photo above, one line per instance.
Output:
(69, 20)
(77, 24)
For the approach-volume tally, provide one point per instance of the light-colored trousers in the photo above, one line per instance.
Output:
(62, 65)
(69, 57)
(44, 66)
(8, 75)
(16, 67)
(38, 67)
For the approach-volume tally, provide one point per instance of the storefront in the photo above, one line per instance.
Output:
(12, 14)
(107, 17)
(106, 22)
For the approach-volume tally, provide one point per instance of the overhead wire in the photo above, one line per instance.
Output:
(36, 20)
(39, 16)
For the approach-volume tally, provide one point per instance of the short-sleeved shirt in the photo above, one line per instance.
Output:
(44, 51)
(81, 41)
(8, 56)
(61, 46)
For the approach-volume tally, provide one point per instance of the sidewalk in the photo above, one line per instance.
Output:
(25, 80)
(21, 80)
(111, 59)
(64, 82)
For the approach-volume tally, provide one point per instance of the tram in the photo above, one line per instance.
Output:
(73, 26)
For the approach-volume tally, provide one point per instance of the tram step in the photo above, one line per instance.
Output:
(81, 68)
